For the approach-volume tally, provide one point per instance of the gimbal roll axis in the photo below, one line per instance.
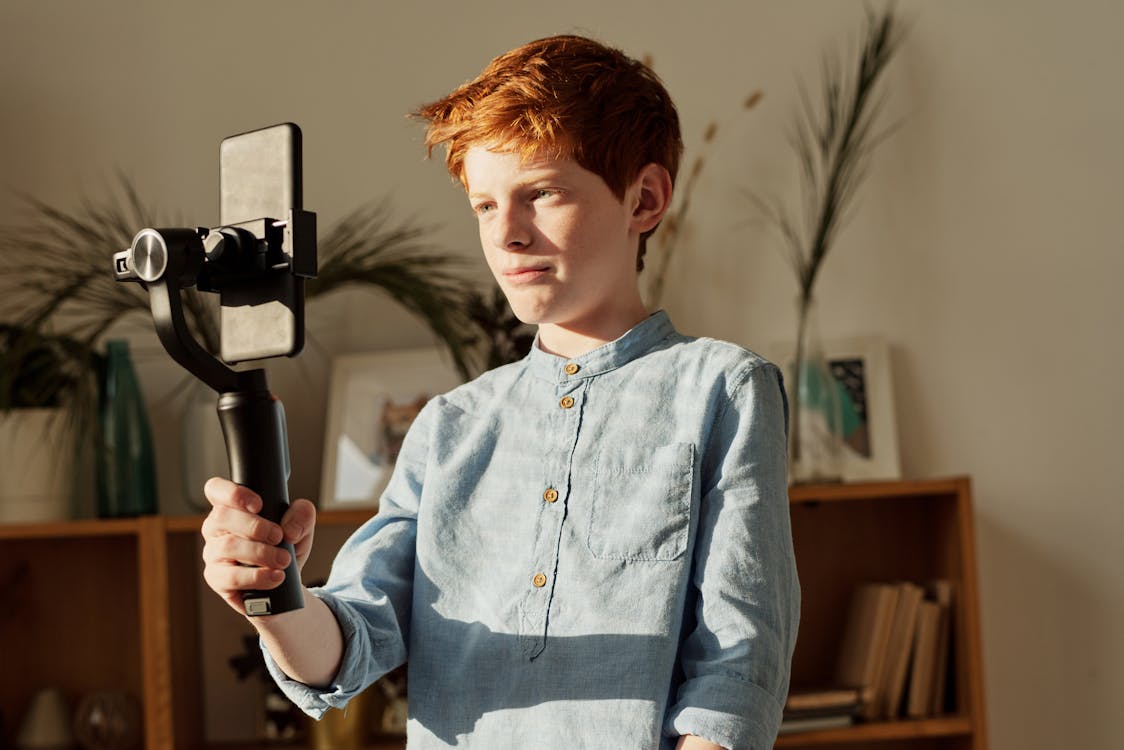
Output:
(258, 267)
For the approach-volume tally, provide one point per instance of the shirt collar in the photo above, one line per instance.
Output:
(638, 340)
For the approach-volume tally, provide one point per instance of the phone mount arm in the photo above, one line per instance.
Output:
(167, 261)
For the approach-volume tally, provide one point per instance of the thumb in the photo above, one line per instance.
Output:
(299, 523)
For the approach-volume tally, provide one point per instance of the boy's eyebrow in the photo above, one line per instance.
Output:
(548, 174)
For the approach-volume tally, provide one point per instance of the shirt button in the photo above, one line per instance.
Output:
(566, 402)
(550, 495)
(539, 580)
(572, 368)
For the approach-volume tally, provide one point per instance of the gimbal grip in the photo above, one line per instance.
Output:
(253, 424)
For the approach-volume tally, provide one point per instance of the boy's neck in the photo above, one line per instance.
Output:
(572, 341)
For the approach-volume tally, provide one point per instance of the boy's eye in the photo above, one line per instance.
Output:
(544, 193)
(482, 208)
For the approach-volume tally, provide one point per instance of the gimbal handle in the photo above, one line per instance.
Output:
(253, 424)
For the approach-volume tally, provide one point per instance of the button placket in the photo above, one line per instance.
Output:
(562, 423)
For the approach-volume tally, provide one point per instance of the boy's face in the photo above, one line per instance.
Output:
(560, 244)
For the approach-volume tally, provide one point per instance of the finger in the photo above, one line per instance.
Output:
(300, 528)
(230, 580)
(224, 520)
(225, 493)
(299, 520)
(229, 549)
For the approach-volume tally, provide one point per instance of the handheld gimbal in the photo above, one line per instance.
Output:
(257, 262)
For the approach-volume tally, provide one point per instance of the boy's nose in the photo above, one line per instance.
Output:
(511, 231)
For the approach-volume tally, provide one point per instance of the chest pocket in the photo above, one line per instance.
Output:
(640, 504)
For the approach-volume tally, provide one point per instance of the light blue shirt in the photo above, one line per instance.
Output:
(587, 553)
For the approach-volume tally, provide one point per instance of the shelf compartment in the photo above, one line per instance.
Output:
(77, 597)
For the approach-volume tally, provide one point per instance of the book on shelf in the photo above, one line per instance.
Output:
(941, 591)
(831, 702)
(866, 634)
(814, 723)
(922, 670)
(831, 699)
(899, 649)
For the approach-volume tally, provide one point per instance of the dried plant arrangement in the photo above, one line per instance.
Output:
(833, 140)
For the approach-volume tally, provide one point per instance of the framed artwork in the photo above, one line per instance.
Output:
(861, 368)
(373, 399)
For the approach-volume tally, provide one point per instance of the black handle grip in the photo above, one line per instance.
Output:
(253, 424)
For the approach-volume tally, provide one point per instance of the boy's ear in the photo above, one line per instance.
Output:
(651, 196)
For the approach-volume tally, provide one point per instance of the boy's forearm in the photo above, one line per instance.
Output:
(307, 643)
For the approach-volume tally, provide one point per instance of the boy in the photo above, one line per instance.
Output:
(589, 547)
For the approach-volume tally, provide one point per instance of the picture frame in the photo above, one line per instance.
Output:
(861, 367)
(372, 401)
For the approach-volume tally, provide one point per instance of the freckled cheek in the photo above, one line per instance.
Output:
(491, 258)
(485, 245)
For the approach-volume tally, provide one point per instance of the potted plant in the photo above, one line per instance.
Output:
(47, 392)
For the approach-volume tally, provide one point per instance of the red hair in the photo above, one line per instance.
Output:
(563, 97)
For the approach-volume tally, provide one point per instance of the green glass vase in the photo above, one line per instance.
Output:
(815, 451)
(126, 465)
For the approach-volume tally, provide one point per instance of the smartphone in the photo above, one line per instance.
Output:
(260, 178)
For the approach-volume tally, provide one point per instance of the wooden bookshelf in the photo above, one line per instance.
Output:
(849, 534)
(112, 604)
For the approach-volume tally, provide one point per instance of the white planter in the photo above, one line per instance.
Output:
(36, 465)
(203, 450)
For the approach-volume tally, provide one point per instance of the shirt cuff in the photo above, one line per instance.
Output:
(729, 712)
(353, 676)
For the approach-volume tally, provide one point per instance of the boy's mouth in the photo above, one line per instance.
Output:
(526, 274)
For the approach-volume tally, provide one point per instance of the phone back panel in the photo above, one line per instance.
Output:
(260, 174)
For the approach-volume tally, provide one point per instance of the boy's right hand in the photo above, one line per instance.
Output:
(239, 551)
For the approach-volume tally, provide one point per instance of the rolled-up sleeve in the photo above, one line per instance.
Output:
(370, 588)
(737, 655)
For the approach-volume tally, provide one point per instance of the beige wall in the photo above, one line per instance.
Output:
(986, 248)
